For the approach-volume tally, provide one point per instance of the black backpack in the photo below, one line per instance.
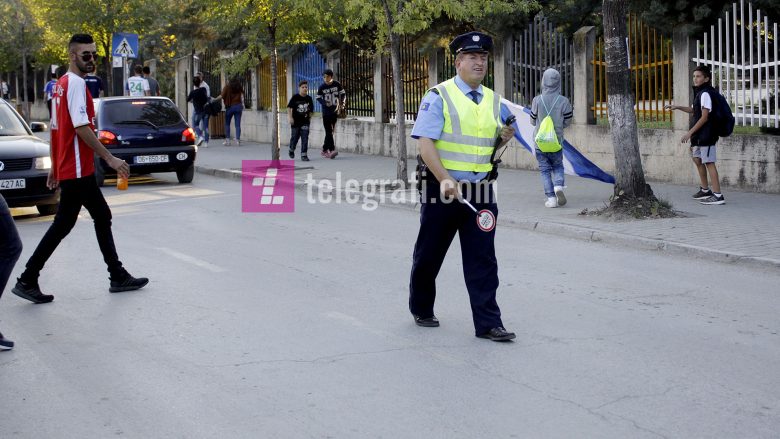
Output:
(213, 107)
(723, 118)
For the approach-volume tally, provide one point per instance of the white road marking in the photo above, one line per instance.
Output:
(192, 260)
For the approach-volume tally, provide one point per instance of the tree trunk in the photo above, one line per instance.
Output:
(400, 112)
(25, 98)
(275, 145)
(629, 176)
(108, 87)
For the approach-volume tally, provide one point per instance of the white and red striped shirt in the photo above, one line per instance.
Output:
(71, 108)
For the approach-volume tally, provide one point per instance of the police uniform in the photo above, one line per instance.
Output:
(464, 124)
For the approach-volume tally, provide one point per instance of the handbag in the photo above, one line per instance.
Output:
(341, 111)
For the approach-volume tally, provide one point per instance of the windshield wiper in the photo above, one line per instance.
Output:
(136, 122)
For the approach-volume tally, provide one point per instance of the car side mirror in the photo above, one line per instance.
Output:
(37, 127)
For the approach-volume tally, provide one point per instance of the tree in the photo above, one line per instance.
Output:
(629, 176)
(18, 29)
(396, 18)
(262, 26)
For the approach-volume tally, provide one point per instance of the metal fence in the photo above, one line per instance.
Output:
(538, 48)
(414, 70)
(356, 75)
(209, 65)
(264, 83)
(742, 53)
(308, 65)
(650, 61)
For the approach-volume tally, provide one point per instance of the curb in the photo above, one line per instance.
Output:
(560, 229)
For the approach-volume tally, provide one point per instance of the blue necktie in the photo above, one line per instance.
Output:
(474, 96)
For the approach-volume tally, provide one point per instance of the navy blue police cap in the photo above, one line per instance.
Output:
(471, 42)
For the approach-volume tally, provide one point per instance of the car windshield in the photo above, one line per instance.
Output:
(10, 125)
(151, 112)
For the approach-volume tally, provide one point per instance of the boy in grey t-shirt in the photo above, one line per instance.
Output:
(560, 110)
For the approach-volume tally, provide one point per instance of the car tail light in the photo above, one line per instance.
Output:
(107, 138)
(188, 136)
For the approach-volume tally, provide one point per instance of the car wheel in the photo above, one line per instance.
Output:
(47, 209)
(186, 175)
(100, 175)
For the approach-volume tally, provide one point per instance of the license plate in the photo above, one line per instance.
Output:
(151, 159)
(18, 183)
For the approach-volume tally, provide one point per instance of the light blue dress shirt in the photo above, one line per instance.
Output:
(430, 123)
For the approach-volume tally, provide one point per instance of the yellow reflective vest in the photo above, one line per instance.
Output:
(470, 130)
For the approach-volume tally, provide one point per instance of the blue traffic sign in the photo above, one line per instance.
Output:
(124, 44)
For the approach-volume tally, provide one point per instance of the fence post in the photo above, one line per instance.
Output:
(501, 84)
(292, 87)
(380, 87)
(433, 67)
(682, 49)
(584, 42)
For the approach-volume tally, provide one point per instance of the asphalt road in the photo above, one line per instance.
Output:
(296, 326)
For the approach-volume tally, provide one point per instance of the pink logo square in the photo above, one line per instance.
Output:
(268, 186)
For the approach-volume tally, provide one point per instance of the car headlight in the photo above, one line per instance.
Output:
(43, 162)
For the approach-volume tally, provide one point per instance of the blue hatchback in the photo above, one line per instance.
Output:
(149, 133)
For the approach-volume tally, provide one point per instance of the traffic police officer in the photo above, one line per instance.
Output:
(456, 131)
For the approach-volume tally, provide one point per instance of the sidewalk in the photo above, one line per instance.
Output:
(745, 230)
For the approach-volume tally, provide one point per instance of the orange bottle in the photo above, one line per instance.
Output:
(121, 183)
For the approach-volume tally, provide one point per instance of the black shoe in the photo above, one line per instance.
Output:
(713, 200)
(702, 194)
(427, 322)
(498, 334)
(291, 154)
(31, 292)
(304, 158)
(5, 344)
(127, 283)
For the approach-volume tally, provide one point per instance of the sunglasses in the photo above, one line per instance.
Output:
(86, 56)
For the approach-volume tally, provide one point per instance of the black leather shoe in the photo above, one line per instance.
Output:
(31, 292)
(428, 322)
(126, 282)
(498, 334)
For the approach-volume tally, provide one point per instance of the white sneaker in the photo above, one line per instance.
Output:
(559, 195)
(238, 142)
(199, 141)
(205, 144)
(226, 142)
(551, 202)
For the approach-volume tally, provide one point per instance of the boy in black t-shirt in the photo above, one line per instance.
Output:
(331, 96)
(299, 115)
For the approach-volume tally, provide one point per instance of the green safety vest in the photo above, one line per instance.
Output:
(470, 130)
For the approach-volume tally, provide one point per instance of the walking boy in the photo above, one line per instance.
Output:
(703, 137)
(73, 146)
(331, 96)
(549, 152)
(299, 111)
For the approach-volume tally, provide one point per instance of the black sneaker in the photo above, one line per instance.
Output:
(702, 194)
(498, 334)
(714, 199)
(5, 344)
(291, 154)
(31, 292)
(304, 158)
(127, 283)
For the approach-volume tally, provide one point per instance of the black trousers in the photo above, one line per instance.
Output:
(329, 122)
(439, 222)
(10, 244)
(73, 195)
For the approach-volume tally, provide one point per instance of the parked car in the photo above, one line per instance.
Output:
(149, 133)
(24, 163)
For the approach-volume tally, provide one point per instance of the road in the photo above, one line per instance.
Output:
(296, 326)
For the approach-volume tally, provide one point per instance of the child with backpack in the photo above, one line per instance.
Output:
(555, 112)
(706, 125)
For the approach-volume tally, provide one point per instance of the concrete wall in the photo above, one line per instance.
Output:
(745, 162)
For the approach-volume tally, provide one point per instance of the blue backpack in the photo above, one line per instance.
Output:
(723, 118)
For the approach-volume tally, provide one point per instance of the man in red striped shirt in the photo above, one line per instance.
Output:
(73, 146)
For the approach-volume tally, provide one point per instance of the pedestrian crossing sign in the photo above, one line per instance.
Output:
(124, 45)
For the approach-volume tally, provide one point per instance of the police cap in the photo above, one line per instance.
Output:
(471, 42)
